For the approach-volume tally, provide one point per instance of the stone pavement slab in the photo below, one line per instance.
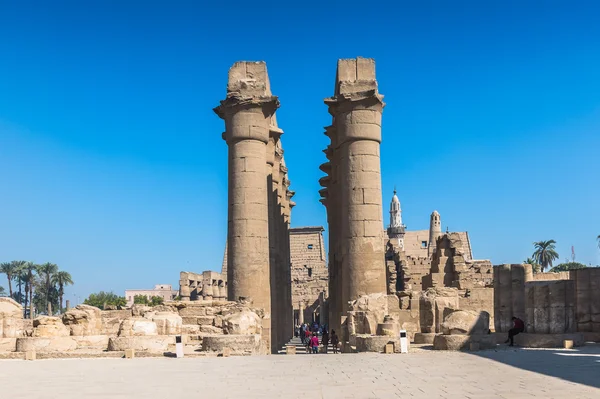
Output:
(508, 374)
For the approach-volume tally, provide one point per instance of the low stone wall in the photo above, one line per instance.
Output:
(527, 340)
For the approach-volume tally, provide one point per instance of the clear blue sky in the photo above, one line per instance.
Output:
(112, 160)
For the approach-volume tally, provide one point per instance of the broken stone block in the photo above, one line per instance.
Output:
(83, 320)
(466, 322)
(463, 342)
(137, 326)
(167, 323)
(49, 326)
(242, 323)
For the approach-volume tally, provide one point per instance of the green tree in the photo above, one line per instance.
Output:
(563, 267)
(29, 272)
(44, 296)
(156, 300)
(534, 265)
(140, 300)
(46, 271)
(598, 238)
(11, 269)
(545, 253)
(2, 291)
(102, 298)
(62, 279)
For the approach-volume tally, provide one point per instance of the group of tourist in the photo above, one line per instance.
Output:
(309, 336)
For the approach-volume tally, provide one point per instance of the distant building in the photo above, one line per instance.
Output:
(164, 291)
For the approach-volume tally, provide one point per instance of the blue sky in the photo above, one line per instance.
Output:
(112, 160)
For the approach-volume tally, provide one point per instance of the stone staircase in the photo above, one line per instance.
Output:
(301, 348)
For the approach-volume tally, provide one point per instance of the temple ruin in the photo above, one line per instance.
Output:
(373, 283)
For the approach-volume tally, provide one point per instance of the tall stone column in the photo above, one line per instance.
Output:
(301, 313)
(357, 107)
(286, 210)
(247, 112)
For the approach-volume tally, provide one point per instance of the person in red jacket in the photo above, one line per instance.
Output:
(518, 327)
(314, 343)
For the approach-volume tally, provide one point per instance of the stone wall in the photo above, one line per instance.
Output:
(309, 271)
(587, 299)
(547, 304)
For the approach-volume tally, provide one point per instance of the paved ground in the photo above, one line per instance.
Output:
(425, 374)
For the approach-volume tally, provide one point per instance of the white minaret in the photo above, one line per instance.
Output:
(396, 229)
(395, 212)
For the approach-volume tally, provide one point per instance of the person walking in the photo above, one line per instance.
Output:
(307, 336)
(325, 340)
(334, 341)
(302, 333)
(314, 343)
(518, 327)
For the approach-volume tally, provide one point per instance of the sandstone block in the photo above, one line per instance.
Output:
(111, 320)
(461, 342)
(466, 322)
(239, 344)
(389, 348)
(290, 350)
(375, 343)
(210, 329)
(129, 353)
(10, 308)
(8, 344)
(243, 323)
(83, 320)
(148, 343)
(48, 326)
(30, 355)
(137, 326)
(192, 310)
(91, 342)
(205, 320)
(167, 323)
(46, 344)
(568, 343)
(424, 338)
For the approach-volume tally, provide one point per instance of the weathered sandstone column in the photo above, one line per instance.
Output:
(356, 108)
(301, 313)
(247, 111)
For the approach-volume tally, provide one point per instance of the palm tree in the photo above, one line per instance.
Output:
(62, 279)
(29, 270)
(545, 253)
(7, 268)
(46, 271)
(2, 291)
(598, 238)
(11, 269)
